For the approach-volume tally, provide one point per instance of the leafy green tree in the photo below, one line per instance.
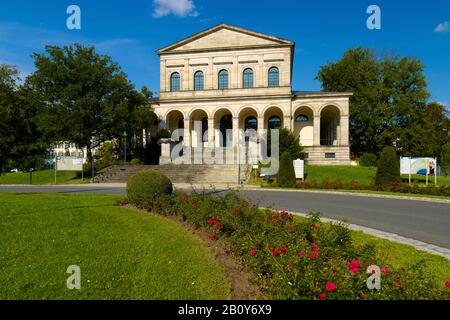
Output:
(388, 167)
(8, 115)
(444, 159)
(286, 173)
(20, 139)
(389, 102)
(288, 142)
(86, 97)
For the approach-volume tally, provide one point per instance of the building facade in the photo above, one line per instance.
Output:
(229, 78)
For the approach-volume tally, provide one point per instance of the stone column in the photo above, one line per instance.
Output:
(344, 132)
(316, 136)
(287, 122)
(235, 131)
(211, 133)
(187, 133)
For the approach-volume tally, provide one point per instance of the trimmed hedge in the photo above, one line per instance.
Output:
(286, 173)
(135, 162)
(388, 167)
(147, 185)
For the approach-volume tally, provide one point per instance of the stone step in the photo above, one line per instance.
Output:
(225, 174)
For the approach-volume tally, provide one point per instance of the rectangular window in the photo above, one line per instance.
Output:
(330, 155)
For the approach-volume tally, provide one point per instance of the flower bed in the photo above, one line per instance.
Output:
(294, 258)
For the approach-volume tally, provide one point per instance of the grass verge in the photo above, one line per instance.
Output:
(43, 177)
(123, 254)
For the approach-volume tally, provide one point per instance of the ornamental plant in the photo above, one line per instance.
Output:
(298, 258)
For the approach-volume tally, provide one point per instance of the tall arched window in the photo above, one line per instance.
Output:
(248, 78)
(199, 81)
(274, 122)
(223, 80)
(274, 77)
(175, 82)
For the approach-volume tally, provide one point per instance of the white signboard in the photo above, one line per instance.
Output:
(69, 164)
(424, 166)
(299, 167)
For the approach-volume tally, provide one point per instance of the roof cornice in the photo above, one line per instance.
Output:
(278, 41)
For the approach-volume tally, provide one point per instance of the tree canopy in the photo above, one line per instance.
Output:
(86, 98)
(390, 103)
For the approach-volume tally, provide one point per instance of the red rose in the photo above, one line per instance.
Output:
(218, 225)
(330, 287)
(276, 252)
(290, 228)
(447, 284)
(354, 266)
(283, 250)
(253, 252)
(300, 254)
(213, 220)
(313, 256)
(385, 271)
(291, 216)
(398, 283)
(234, 212)
(322, 296)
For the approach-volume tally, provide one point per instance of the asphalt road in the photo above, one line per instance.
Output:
(420, 220)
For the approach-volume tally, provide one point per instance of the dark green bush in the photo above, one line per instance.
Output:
(146, 186)
(135, 162)
(388, 167)
(368, 160)
(286, 173)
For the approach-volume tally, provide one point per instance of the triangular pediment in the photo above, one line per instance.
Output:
(224, 36)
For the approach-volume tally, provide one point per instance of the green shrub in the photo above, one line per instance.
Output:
(286, 172)
(388, 167)
(135, 162)
(368, 160)
(146, 186)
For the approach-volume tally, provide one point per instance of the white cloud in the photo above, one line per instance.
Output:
(113, 43)
(443, 27)
(179, 8)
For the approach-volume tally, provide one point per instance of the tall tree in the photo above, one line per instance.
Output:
(8, 101)
(20, 139)
(390, 95)
(87, 98)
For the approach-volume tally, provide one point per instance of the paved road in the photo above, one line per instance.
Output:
(420, 220)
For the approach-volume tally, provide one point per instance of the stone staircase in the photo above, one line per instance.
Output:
(184, 173)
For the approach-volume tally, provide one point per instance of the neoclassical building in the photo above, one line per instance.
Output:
(229, 78)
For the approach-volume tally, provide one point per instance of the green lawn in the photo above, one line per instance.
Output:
(123, 254)
(44, 177)
(346, 174)
(401, 255)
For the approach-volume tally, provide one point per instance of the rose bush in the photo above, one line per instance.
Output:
(293, 258)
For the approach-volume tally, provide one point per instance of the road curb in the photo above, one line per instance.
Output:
(367, 195)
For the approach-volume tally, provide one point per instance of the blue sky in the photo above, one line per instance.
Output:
(131, 31)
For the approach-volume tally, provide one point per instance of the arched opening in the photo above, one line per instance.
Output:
(223, 119)
(174, 120)
(199, 126)
(273, 118)
(304, 126)
(175, 82)
(199, 81)
(223, 80)
(248, 78)
(330, 126)
(274, 77)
